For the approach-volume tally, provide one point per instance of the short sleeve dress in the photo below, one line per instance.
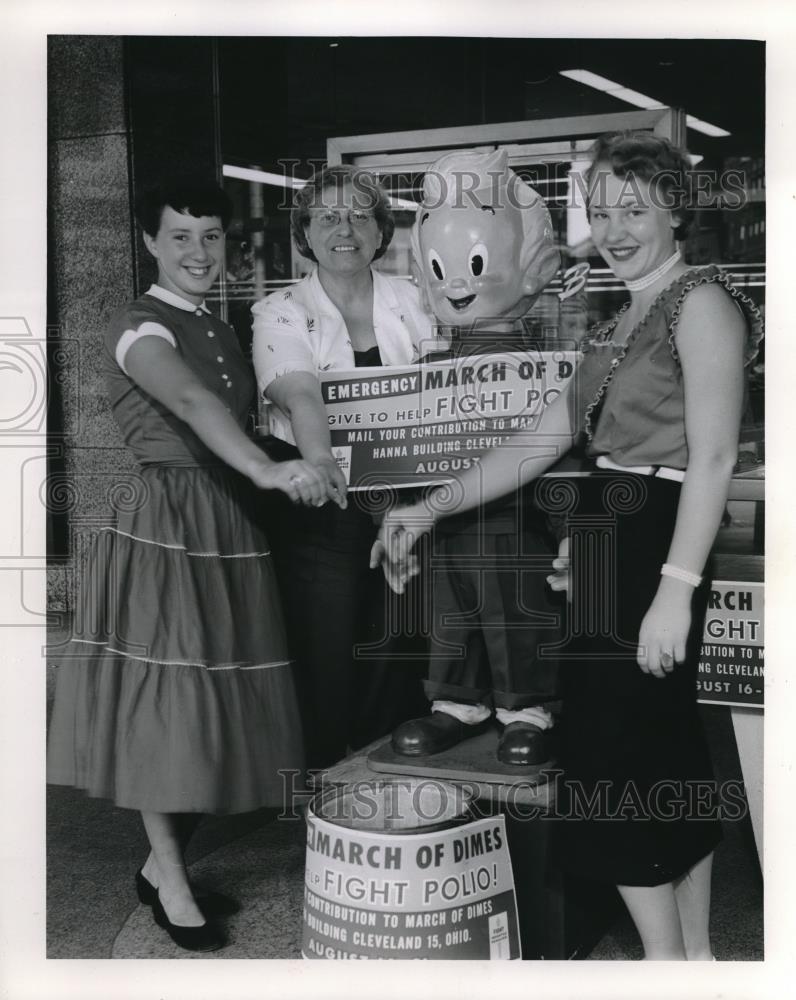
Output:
(174, 692)
(637, 799)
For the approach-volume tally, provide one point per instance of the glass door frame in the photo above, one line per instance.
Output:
(417, 149)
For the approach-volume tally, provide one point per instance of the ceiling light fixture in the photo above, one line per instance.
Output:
(706, 127)
(633, 97)
(262, 176)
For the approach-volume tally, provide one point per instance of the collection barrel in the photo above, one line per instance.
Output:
(400, 869)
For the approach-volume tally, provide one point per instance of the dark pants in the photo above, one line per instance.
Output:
(359, 668)
(493, 613)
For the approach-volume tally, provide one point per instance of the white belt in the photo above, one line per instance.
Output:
(660, 471)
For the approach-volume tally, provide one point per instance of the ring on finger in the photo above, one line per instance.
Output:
(296, 480)
(667, 660)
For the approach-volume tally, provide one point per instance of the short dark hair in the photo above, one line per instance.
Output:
(368, 190)
(196, 196)
(653, 159)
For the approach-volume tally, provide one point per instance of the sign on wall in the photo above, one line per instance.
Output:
(731, 662)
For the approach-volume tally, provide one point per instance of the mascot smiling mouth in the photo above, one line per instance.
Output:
(460, 304)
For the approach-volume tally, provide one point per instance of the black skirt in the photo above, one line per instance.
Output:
(637, 802)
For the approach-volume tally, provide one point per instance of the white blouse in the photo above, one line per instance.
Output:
(299, 329)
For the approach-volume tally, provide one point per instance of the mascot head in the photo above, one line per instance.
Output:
(482, 240)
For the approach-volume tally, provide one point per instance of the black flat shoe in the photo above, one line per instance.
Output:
(212, 904)
(433, 734)
(206, 937)
(522, 744)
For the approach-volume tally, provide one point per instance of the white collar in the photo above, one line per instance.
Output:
(158, 292)
(383, 293)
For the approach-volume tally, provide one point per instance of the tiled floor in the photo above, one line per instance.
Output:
(94, 850)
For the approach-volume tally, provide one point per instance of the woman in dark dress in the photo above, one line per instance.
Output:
(658, 398)
(178, 698)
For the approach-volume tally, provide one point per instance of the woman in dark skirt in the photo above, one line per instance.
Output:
(657, 399)
(176, 698)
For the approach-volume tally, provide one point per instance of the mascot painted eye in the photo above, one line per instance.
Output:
(478, 260)
(436, 265)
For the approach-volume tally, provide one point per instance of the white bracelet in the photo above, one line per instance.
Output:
(681, 574)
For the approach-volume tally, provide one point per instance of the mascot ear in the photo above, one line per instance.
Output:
(418, 279)
(539, 257)
(540, 270)
(417, 265)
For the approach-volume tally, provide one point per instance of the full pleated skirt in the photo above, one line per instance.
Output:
(174, 692)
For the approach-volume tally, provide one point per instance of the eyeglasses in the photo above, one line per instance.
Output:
(328, 218)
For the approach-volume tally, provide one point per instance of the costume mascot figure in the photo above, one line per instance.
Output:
(483, 245)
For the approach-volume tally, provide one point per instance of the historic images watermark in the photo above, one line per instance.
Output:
(698, 188)
(399, 804)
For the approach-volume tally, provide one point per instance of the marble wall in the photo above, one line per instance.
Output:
(121, 111)
(90, 275)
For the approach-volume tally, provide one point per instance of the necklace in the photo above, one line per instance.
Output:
(652, 277)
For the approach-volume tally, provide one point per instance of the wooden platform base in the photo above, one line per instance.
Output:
(473, 761)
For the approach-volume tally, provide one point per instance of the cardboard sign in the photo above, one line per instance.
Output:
(731, 662)
(441, 895)
(419, 424)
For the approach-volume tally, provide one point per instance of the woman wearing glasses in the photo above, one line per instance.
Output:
(341, 316)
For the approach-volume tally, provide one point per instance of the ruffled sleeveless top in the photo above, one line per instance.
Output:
(629, 398)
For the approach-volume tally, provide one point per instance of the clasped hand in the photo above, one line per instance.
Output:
(561, 578)
(392, 550)
(310, 483)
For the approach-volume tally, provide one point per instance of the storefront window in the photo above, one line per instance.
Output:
(261, 257)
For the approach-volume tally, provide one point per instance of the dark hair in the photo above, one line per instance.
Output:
(369, 194)
(654, 160)
(196, 196)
